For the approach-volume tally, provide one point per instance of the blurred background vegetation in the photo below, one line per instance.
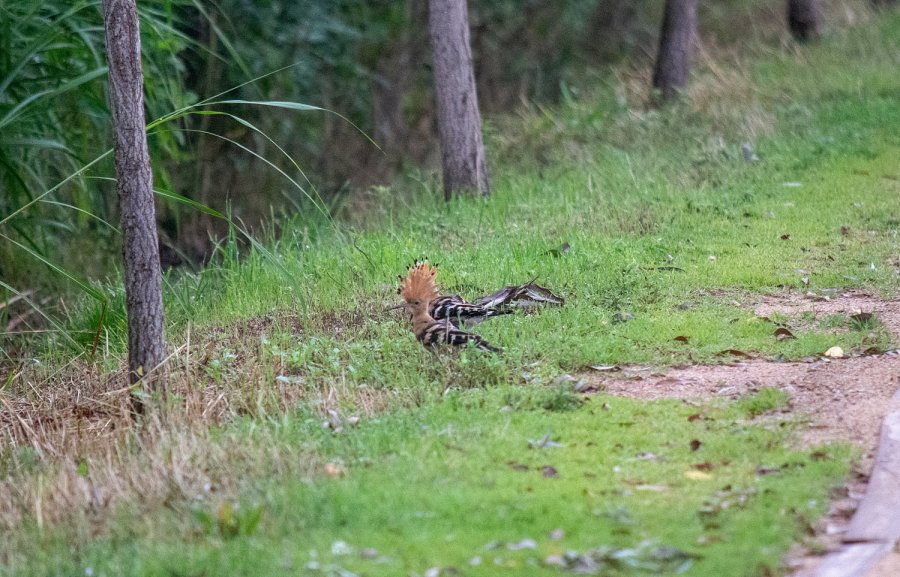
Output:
(367, 61)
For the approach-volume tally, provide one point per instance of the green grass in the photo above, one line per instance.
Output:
(442, 467)
(437, 486)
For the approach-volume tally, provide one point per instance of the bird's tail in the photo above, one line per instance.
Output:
(484, 346)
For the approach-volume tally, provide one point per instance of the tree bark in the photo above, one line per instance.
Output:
(459, 122)
(676, 43)
(804, 19)
(143, 278)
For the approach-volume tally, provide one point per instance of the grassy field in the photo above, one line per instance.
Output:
(478, 464)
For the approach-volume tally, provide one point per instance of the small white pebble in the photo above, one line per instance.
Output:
(523, 544)
(555, 561)
(369, 553)
(341, 548)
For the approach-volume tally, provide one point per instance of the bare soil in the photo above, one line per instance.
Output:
(842, 399)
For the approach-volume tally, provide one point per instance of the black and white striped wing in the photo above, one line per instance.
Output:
(524, 296)
(445, 333)
(498, 299)
(460, 312)
(440, 307)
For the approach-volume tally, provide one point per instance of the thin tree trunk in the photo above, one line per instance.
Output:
(804, 19)
(459, 122)
(143, 278)
(676, 43)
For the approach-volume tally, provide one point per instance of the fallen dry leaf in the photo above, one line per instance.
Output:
(682, 339)
(734, 353)
(697, 475)
(695, 443)
(786, 237)
(550, 471)
(605, 368)
(782, 333)
(818, 455)
(652, 488)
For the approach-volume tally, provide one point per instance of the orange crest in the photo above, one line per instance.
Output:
(419, 283)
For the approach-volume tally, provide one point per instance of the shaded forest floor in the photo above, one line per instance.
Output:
(308, 433)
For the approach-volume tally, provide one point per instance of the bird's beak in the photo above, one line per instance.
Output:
(393, 308)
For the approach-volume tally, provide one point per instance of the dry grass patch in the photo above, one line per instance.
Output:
(72, 446)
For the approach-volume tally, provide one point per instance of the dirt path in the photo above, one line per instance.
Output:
(842, 399)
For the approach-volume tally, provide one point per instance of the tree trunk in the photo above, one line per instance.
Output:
(804, 19)
(459, 122)
(143, 278)
(676, 42)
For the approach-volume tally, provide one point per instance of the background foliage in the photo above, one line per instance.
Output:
(367, 61)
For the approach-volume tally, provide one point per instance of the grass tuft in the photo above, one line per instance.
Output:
(305, 425)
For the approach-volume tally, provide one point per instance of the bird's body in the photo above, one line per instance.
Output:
(419, 292)
(432, 332)
(459, 312)
(436, 319)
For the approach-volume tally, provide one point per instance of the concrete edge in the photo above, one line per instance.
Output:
(874, 529)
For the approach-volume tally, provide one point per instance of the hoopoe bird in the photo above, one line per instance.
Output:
(419, 291)
(457, 310)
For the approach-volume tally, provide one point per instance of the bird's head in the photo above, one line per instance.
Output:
(418, 288)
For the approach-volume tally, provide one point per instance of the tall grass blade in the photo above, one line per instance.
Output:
(34, 306)
(57, 269)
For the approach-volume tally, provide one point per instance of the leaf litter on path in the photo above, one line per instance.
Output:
(645, 557)
(843, 398)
